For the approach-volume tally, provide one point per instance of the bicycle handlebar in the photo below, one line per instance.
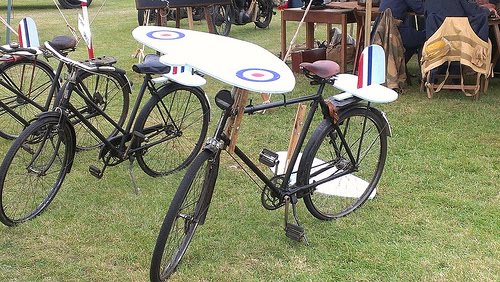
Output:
(87, 66)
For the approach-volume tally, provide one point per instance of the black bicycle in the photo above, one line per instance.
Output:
(164, 137)
(340, 166)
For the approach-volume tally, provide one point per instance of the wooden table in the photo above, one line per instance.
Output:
(328, 16)
(359, 14)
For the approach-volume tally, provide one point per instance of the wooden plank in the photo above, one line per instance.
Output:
(190, 17)
(233, 124)
(297, 129)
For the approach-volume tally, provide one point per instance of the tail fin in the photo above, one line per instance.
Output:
(371, 66)
(28, 34)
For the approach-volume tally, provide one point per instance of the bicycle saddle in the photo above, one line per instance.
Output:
(63, 42)
(321, 68)
(151, 65)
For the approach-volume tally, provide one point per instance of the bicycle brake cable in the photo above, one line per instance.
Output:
(246, 172)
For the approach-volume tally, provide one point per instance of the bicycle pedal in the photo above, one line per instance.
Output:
(95, 171)
(294, 232)
(268, 158)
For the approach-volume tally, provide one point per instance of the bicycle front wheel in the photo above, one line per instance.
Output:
(32, 78)
(174, 124)
(221, 19)
(325, 155)
(187, 210)
(34, 169)
(110, 93)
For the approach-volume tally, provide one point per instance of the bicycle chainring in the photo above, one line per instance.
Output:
(106, 155)
(269, 199)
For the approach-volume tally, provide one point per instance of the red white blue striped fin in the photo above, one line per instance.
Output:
(371, 66)
(28, 34)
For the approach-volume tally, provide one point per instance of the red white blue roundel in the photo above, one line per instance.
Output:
(258, 75)
(165, 34)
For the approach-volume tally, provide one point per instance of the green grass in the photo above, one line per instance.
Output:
(435, 217)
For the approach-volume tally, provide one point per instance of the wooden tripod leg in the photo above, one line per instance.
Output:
(233, 124)
(190, 17)
(265, 97)
(297, 129)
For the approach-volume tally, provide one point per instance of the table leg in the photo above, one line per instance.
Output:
(208, 18)
(309, 35)
(328, 31)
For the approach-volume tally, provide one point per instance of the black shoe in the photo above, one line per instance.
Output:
(244, 17)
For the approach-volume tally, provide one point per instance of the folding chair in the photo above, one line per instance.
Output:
(455, 57)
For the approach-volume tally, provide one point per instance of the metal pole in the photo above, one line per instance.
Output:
(9, 9)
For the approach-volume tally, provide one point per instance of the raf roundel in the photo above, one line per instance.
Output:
(258, 75)
(165, 34)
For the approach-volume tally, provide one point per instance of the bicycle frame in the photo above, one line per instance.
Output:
(120, 151)
(317, 101)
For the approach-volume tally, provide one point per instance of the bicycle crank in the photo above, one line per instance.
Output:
(294, 231)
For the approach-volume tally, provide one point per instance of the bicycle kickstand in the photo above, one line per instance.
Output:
(294, 231)
(137, 190)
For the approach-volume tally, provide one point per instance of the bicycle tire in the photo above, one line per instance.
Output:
(265, 13)
(174, 124)
(195, 191)
(198, 13)
(72, 4)
(111, 92)
(364, 132)
(221, 19)
(34, 169)
(31, 77)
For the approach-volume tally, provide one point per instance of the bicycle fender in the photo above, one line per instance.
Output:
(383, 118)
(125, 78)
(57, 115)
(380, 114)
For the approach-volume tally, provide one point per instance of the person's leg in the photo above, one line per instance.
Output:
(243, 17)
(413, 40)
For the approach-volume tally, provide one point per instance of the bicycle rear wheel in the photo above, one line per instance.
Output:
(111, 93)
(174, 123)
(187, 210)
(34, 168)
(325, 156)
(265, 14)
(31, 77)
